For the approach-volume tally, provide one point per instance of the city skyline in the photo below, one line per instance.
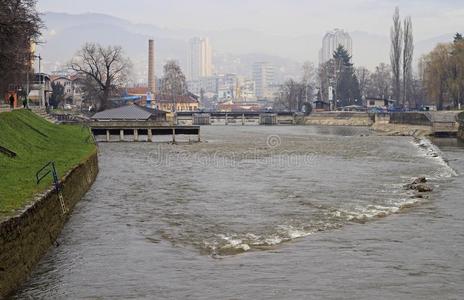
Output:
(294, 17)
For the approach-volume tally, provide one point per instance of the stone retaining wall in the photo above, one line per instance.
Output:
(410, 118)
(26, 237)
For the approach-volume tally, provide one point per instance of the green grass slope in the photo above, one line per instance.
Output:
(36, 142)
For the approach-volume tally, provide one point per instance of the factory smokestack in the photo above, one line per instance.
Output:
(151, 67)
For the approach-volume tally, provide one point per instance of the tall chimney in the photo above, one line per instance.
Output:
(151, 67)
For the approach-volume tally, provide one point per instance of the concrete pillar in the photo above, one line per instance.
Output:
(199, 137)
(150, 135)
(108, 137)
(174, 135)
(136, 135)
(121, 135)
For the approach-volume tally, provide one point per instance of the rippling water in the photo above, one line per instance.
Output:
(264, 212)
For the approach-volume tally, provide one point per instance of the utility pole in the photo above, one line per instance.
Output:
(42, 100)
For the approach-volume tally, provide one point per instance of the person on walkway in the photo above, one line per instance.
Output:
(12, 100)
(24, 102)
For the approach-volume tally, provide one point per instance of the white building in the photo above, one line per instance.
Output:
(247, 91)
(330, 43)
(264, 77)
(199, 60)
(207, 84)
(72, 87)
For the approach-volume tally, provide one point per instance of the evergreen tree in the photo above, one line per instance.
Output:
(347, 85)
(458, 38)
(57, 96)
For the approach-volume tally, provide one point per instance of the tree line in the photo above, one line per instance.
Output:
(437, 80)
(442, 72)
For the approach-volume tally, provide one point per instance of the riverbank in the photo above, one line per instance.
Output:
(34, 142)
(31, 216)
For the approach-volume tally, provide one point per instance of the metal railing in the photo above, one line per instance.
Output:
(46, 170)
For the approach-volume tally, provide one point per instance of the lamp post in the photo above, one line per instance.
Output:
(40, 80)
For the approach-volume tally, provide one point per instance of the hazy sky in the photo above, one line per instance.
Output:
(289, 17)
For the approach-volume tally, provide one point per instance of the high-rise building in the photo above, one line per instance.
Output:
(264, 77)
(199, 59)
(331, 41)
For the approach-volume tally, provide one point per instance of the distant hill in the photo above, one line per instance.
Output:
(66, 33)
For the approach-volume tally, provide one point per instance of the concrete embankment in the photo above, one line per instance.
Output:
(396, 123)
(26, 237)
(461, 126)
(339, 119)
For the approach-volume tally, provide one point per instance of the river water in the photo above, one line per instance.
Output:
(264, 213)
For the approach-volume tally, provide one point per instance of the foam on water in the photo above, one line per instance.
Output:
(429, 150)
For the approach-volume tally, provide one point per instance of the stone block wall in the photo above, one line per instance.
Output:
(26, 237)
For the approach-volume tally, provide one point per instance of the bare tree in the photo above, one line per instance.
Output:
(396, 36)
(364, 79)
(104, 68)
(325, 79)
(20, 26)
(309, 80)
(408, 53)
(173, 82)
(380, 82)
(291, 96)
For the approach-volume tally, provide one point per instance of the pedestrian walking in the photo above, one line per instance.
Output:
(12, 100)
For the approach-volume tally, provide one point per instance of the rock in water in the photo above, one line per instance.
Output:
(419, 184)
(423, 188)
(418, 180)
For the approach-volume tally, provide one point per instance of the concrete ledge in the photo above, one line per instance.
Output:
(402, 129)
(460, 119)
(26, 237)
(339, 119)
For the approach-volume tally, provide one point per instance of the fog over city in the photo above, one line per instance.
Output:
(286, 33)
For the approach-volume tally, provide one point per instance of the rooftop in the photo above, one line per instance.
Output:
(128, 112)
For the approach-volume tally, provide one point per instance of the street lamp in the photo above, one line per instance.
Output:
(40, 80)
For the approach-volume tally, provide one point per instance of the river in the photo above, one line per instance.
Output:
(264, 213)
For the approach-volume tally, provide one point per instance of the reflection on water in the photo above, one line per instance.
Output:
(159, 213)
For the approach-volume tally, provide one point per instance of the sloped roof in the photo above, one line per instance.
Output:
(164, 98)
(128, 112)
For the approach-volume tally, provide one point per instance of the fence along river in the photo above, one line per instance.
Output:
(264, 212)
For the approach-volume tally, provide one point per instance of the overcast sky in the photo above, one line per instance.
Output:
(289, 17)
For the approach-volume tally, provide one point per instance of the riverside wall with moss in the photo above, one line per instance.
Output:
(31, 217)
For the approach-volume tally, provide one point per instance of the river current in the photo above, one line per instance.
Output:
(265, 213)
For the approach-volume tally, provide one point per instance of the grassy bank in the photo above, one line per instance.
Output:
(35, 141)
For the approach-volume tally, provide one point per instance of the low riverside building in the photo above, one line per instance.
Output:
(141, 123)
(177, 102)
(320, 105)
(379, 103)
(130, 113)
